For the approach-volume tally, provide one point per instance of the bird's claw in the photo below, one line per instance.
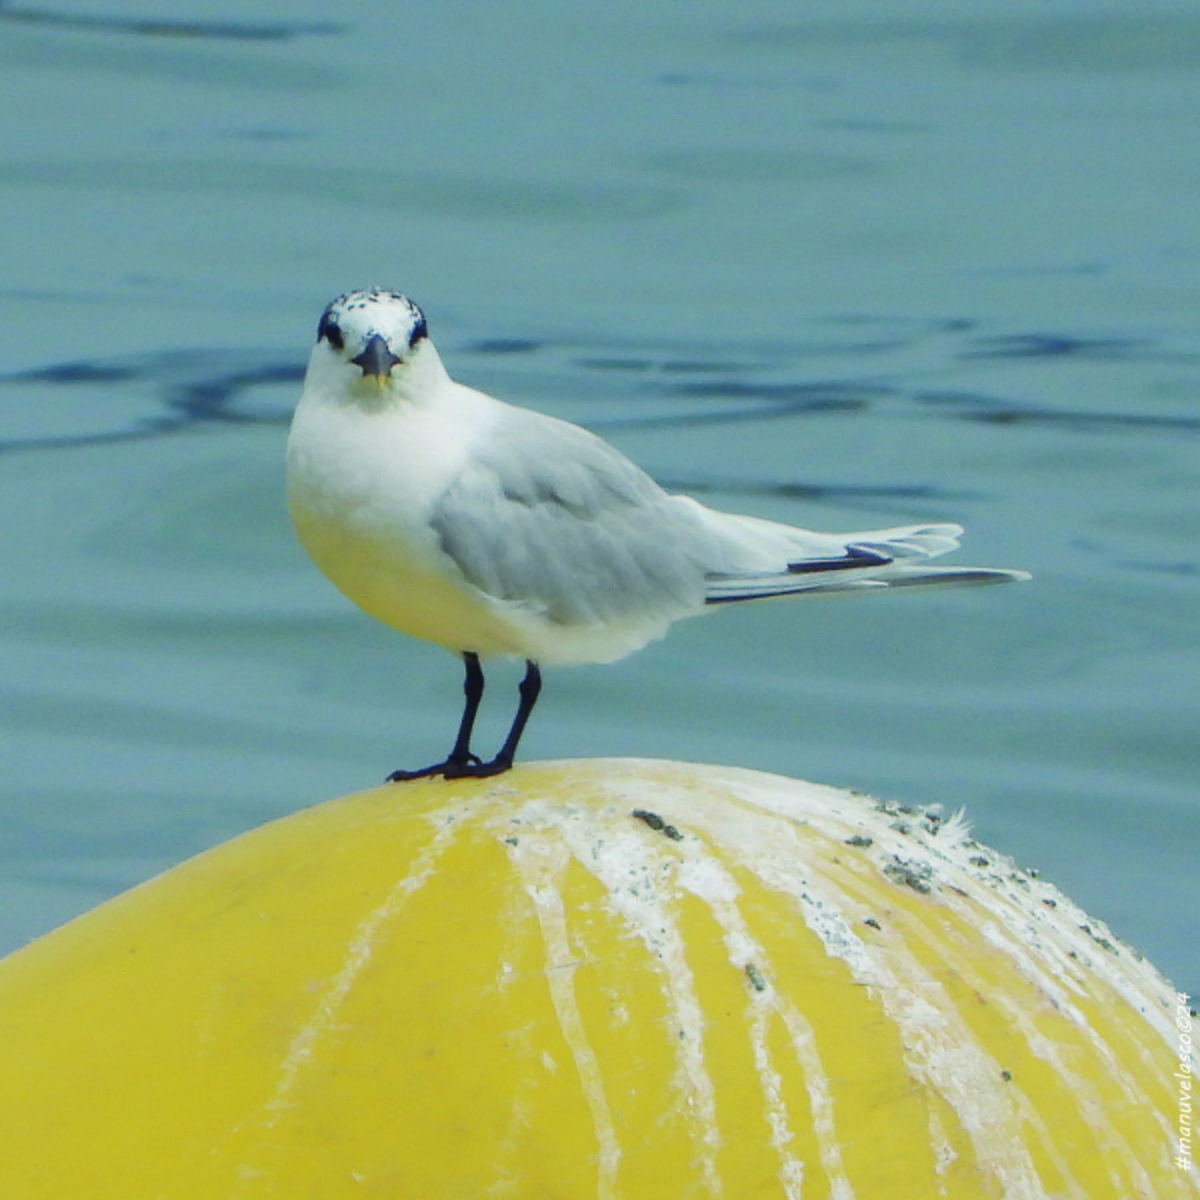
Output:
(470, 767)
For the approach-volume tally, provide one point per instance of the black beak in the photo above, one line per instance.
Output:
(377, 359)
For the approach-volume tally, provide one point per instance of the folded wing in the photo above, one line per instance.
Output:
(549, 517)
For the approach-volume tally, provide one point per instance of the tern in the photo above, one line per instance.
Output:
(492, 529)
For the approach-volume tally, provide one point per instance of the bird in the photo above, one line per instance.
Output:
(495, 530)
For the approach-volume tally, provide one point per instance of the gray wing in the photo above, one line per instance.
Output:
(548, 515)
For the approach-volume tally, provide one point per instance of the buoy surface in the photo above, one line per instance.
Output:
(614, 979)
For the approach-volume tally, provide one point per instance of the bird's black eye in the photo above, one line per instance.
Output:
(419, 331)
(328, 329)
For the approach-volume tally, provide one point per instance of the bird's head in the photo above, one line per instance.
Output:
(371, 342)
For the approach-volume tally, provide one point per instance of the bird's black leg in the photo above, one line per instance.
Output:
(460, 761)
(473, 693)
(528, 689)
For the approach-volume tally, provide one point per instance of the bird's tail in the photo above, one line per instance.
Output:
(836, 563)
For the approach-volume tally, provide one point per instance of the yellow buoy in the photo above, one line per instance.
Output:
(612, 979)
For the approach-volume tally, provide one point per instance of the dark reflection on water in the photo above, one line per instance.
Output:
(175, 389)
(972, 407)
(1055, 345)
(181, 27)
(171, 390)
(791, 397)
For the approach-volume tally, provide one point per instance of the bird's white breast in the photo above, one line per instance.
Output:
(362, 481)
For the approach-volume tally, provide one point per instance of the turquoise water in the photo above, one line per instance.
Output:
(881, 268)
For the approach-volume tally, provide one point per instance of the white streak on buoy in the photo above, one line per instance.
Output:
(358, 953)
(639, 881)
(706, 877)
(541, 860)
